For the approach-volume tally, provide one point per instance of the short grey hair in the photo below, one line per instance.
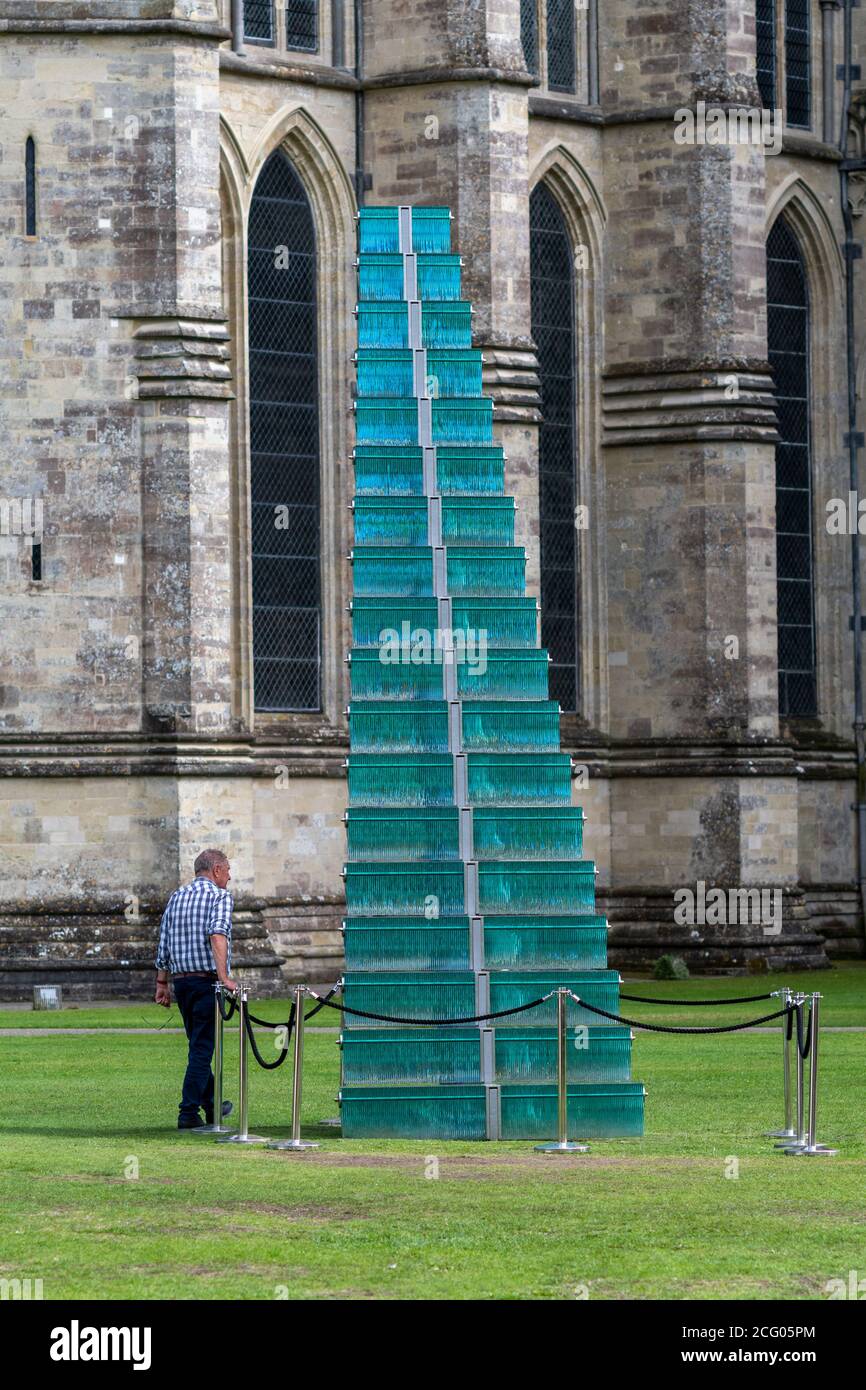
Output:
(208, 860)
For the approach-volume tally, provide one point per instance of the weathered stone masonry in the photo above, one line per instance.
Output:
(128, 737)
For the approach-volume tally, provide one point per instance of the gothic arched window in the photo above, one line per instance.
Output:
(788, 346)
(553, 329)
(284, 442)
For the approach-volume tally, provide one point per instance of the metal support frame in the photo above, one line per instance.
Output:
(296, 1142)
(243, 1135)
(562, 1144)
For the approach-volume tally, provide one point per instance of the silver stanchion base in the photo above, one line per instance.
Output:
(242, 1139)
(812, 1151)
(292, 1144)
(213, 1129)
(788, 1144)
(332, 1120)
(780, 1134)
(566, 1148)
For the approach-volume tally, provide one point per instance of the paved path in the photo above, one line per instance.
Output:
(132, 1032)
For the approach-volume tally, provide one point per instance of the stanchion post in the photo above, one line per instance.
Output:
(217, 1127)
(296, 1142)
(800, 1138)
(811, 1148)
(243, 1135)
(562, 1145)
(789, 1132)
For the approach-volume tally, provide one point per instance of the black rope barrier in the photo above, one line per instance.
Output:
(660, 1027)
(270, 1066)
(803, 1046)
(697, 1003)
(233, 1004)
(431, 1022)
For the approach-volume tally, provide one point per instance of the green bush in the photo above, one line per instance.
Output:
(670, 968)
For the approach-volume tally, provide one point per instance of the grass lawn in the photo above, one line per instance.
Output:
(650, 1218)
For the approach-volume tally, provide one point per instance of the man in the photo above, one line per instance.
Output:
(195, 943)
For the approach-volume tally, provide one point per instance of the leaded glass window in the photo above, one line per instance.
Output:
(302, 24)
(284, 442)
(553, 329)
(561, 51)
(30, 186)
(798, 64)
(529, 34)
(788, 344)
(765, 34)
(259, 21)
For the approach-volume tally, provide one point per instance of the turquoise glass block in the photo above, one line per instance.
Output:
(444, 1055)
(510, 988)
(414, 1112)
(407, 832)
(376, 620)
(390, 520)
(383, 325)
(478, 520)
(438, 276)
(384, 372)
(530, 1054)
(512, 886)
(463, 421)
(454, 372)
(392, 571)
(379, 229)
(509, 726)
(507, 779)
(386, 421)
(389, 470)
(446, 325)
(434, 995)
(431, 229)
(407, 943)
(510, 832)
(397, 727)
(504, 622)
(470, 470)
(380, 276)
(504, 675)
(376, 679)
(476, 571)
(401, 779)
(409, 889)
(594, 1111)
(545, 943)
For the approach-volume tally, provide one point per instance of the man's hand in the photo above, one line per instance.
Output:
(163, 994)
(228, 984)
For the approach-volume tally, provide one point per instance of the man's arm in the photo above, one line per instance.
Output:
(219, 933)
(163, 991)
(219, 946)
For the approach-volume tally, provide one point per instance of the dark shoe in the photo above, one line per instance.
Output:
(227, 1109)
(196, 1123)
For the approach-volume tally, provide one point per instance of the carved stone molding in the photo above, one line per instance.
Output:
(509, 374)
(183, 358)
(724, 403)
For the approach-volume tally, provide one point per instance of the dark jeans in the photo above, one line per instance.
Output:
(195, 999)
